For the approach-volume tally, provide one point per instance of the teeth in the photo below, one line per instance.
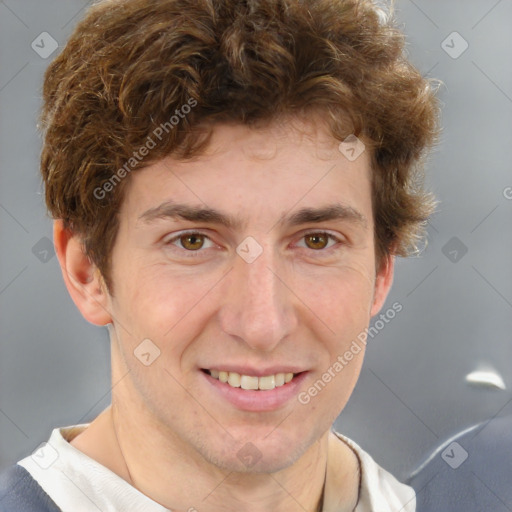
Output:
(234, 379)
(249, 382)
(267, 382)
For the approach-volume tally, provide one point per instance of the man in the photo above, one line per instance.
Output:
(230, 182)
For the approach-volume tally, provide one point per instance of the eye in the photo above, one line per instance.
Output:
(318, 241)
(191, 241)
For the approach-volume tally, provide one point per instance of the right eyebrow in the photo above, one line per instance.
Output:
(172, 210)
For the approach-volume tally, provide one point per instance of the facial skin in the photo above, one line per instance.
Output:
(297, 306)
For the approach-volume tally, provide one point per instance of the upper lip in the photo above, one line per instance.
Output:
(255, 372)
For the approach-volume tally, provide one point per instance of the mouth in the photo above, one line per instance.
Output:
(252, 382)
(255, 390)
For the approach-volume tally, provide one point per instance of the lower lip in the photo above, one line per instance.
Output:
(257, 401)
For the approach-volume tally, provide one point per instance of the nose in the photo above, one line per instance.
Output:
(258, 306)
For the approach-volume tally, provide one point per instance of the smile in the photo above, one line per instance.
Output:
(250, 382)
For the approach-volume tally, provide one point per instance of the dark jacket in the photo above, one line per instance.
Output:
(19, 492)
(471, 473)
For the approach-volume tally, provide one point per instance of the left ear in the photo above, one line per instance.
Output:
(383, 282)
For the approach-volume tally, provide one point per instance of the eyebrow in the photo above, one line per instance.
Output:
(172, 210)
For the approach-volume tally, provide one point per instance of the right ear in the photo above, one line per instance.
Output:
(83, 279)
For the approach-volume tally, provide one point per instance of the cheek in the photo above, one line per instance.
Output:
(343, 295)
(342, 301)
(157, 303)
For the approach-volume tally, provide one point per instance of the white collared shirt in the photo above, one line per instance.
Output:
(78, 483)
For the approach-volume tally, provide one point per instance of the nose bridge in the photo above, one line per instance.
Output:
(257, 306)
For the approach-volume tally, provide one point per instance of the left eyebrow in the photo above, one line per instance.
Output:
(172, 210)
(335, 211)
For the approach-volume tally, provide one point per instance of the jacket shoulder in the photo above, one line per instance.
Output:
(19, 492)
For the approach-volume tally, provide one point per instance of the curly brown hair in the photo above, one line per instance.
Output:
(132, 66)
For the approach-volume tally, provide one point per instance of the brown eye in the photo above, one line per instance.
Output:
(317, 240)
(192, 242)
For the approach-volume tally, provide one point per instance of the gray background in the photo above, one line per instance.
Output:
(412, 395)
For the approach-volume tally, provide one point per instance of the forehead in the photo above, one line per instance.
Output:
(245, 169)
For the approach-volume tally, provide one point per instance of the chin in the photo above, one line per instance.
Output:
(264, 463)
(258, 457)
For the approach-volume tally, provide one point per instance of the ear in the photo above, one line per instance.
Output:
(383, 282)
(83, 279)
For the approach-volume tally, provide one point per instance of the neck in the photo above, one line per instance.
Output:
(129, 441)
(197, 484)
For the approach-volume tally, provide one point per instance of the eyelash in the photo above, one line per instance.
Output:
(197, 253)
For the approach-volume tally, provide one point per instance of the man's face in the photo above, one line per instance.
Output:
(270, 294)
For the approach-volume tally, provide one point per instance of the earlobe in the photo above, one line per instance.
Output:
(383, 283)
(82, 278)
